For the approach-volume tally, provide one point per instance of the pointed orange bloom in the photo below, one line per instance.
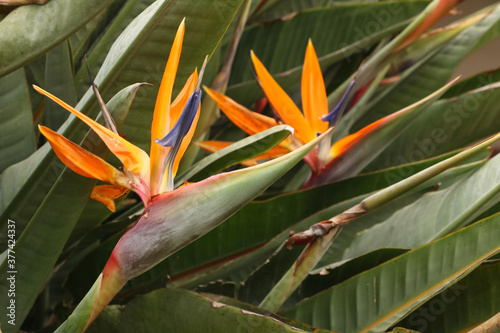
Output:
(174, 123)
(307, 126)
(284, 106)
(161, 117)
(133, 158)
(344, 144)
(250, 122)
(81, 161)
(314, 101)
(316, 118)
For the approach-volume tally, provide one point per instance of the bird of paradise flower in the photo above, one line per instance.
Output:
(315, 119)
(172, 218)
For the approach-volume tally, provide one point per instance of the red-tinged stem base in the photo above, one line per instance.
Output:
(107, 285)
(112, 282)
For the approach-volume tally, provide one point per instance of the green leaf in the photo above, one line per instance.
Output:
(369, 144)
(258, 285)
(30, 31)
(463, 306)
(283, 9)
(106, 36)
(337, 32)
(25, 185)
(41, 243)
(425, 217)
(472, 83)
(240, 151)
(79, 320)
(59, 81)
(432, 71)
(170, 310)
(388, 292)
(16, 121)
(272, 222)
(83, 41)
(447, 125)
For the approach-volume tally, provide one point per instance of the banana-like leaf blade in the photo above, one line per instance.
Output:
(289, 213)
(375, 300)
(60, 82)
(434, 70)
(170, 310)
(338, 32)
(18, 139)
(425, 218)
(446, 125)
(465, 305)
(30, 31)
(41, 243)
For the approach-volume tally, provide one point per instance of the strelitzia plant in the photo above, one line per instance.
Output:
(394, 266)
(167, 222)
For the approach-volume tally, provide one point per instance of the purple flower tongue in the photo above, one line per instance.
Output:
(339, 109)
(175, 137)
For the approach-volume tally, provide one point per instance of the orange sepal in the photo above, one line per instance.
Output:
(441, 9)
(347, 142)
(133, 158)
(107, 194)
(250, 122)
(161, 118)
(314, 101)
(81, 161)
(283, 104)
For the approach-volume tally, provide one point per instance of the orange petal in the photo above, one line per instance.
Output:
(440, 10)
(314, 101)
(161, 117)
(213, 146)
(347, 142)
(284, 106)
(176, 111)
(107, 194)
(248, 121)
(133, 158)
(81, 161)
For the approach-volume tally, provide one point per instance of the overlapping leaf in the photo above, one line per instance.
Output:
(375, 300)
(281, 45)
(16, 121)
(30, 31)
(41, 243)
